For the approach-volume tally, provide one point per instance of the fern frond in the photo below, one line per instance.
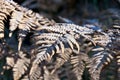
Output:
(22, 18)
(78, 64)
(5, 10)
(62, 58)
(118, 65)
(57, 47)
(31, 21)
(65, 72)
(45, 38)
(35, 72)
(49, 76)
(102, 39)
(16, 17)
(21, 66)
(10, 61)
(25, 77)
(68, 28)
(99, 61)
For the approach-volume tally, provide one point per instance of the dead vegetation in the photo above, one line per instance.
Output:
(34, 47)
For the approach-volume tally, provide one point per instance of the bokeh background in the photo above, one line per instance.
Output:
(76, 10)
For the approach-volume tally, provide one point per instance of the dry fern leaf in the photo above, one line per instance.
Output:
(49, 76)
(46, 53)
(55, 65)
(30, 22)
(22, 18)
(10, 61)
(25, 77)
(118, 64)
(35, 72)
(61, 59)
(21, 66)
(59, 46)
(16, 17)
(59, 30)
(5, 10)
(78, 64)
(45, 38)
(68, 28)
(102, 39)
(98, 61)
(66, 55)
(65, 72)
(72, 29)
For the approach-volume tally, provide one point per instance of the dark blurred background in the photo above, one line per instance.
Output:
(75, 10)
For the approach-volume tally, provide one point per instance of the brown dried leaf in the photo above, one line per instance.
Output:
(20, 67)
